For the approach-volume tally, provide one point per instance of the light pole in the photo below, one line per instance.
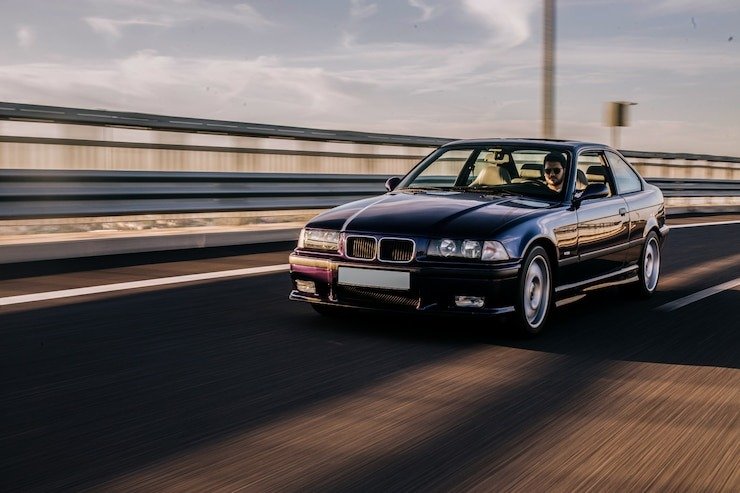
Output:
(548, 79)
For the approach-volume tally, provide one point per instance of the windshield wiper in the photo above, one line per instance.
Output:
(492, 191)
(423, 189)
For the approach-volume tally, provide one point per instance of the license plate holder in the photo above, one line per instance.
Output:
(375, 278)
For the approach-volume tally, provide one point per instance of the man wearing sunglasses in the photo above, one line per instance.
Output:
(555, 171)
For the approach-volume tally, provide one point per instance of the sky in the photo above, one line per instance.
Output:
(436, 68)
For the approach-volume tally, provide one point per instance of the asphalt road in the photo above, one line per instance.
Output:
(228, 386)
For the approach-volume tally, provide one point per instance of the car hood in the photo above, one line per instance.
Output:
(429, 213)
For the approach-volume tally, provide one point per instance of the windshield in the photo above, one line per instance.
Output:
(492, 170)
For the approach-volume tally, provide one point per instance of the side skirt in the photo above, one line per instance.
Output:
(623, 276)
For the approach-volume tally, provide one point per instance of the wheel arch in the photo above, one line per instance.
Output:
(652, 225)
(550, 249)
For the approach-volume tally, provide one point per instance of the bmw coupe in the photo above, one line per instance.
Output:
(487, 227)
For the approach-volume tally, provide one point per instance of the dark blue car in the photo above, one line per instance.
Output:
(487, 227)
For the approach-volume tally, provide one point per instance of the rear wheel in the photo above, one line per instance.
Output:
(534, 296)
(649, 266)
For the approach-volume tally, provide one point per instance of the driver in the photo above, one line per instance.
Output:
(555, 171)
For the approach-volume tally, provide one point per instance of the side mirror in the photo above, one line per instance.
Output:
(392, 182)
(592, 191)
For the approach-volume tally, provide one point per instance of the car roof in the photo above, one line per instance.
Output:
(535, 142)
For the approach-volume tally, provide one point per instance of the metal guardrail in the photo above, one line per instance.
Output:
(78, 116)
(697, 188)
(56, 114)
(26, 194)
(55, 194)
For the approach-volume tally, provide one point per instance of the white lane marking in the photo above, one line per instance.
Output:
(681, 302)
(696, 225)
(123, 286)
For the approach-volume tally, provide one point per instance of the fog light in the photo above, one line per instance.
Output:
(470, 301)
(305, 286)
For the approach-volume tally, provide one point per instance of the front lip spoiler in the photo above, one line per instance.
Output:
(432, 308)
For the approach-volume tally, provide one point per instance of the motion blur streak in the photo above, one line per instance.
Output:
(675, 305)
(580, 439)
(697, 225)
(703, 270)
(123, 286)
(374, 424)
(343, 444)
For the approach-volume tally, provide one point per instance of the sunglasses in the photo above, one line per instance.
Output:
(553, 171)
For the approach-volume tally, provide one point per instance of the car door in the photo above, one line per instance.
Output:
(603, 223)
(630, 187)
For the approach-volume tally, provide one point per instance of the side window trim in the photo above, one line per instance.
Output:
(630, 170)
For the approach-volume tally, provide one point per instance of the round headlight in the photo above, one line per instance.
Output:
(471, 249)
(447, 248)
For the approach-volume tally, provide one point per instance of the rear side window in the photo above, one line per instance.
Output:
(625, 177)
(593, 167)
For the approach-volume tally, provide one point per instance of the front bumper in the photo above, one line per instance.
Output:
(433, 286)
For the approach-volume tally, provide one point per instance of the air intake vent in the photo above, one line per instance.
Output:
(369, 297)
(396, 250)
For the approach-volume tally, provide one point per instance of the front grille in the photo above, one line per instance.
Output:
(376, 297)
(361, 247)
(396, 250)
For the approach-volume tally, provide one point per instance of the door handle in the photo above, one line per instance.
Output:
(622, 211)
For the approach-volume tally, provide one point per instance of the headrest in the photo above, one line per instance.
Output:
(532, 170)
(490, 157)
(596, 173)
(492, 175)
(581, 180)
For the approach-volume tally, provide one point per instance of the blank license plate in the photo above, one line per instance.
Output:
(374, 278)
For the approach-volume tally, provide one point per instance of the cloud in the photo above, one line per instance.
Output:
(633, 58)
(661, 7)
(427, 12)
(509, 20)
(168, 13)
(676, 6)
(113, 27)
(25, 36)
(247, 90)
(361, 10)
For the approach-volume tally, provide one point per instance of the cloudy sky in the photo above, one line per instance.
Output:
(442, 68)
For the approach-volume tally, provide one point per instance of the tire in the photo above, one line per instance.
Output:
(534, 299)
(648, 273)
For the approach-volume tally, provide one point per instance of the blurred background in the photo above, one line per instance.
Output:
(468, 68)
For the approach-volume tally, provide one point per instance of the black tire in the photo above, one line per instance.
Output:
(534, 299)
(648, 272)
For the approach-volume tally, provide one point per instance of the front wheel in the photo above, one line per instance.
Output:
(534, 295)
(649, 266)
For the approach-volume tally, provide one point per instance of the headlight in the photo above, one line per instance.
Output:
(472, 249)
(447, 248)
(493, 250)
(319, 239)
